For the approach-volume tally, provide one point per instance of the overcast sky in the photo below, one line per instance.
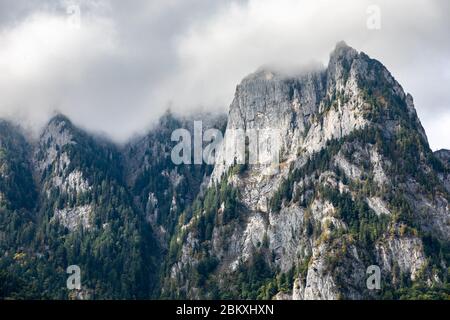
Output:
(120, 64)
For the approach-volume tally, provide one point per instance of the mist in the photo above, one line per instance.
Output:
(114, 67)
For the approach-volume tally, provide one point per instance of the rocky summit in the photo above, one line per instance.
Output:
(357, 189)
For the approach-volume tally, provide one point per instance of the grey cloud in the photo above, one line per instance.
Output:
(132, 59)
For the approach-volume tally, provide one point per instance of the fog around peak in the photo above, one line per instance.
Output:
(125, 63)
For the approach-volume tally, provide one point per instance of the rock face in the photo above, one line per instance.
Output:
(60, 175)
(64, 201)
(408, 252)
(162, 190)
(73, 218)
(444, 156)
(351, 184)
(357, 185)
(73, 198)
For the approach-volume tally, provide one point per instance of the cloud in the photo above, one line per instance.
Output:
(129, 61)
(46, 61)
(102, 74)
(214, 54)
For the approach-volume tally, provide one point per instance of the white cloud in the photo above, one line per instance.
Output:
(214, 54)
(130, 60)
(44, 60)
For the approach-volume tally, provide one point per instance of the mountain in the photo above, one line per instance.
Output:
(82, 215)
(162, 189)
(356, 185)
(444, 156)
(72, 198)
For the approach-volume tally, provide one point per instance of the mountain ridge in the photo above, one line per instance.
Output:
(349, 127)
(358, 185)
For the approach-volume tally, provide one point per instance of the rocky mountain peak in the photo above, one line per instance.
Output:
(356, 186)
(444, 156)
(56, 134)
(262, 74)
(60, 120)
(58, 131)
(355, 172)
(343, 52)
(309, 108)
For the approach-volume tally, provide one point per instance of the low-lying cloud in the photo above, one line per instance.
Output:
(125, 63)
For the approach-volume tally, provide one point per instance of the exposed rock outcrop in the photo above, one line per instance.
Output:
(340, 187)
